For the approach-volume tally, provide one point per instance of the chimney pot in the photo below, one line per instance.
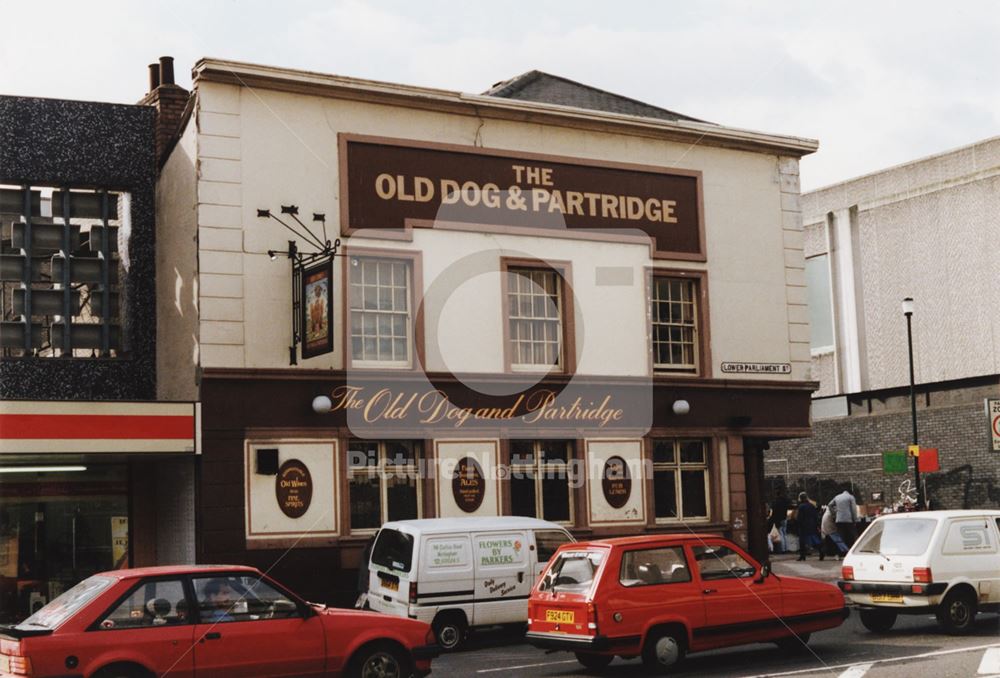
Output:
(154, 76)
(166, 70)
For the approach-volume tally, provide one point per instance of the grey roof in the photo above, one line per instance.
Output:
(551, 89)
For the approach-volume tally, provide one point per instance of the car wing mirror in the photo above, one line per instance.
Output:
(765, 572)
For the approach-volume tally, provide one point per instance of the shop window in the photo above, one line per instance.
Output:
(535, 318)
(56, 529)
(675, 331)
(680, 479)
(152, 603)
(539, 479)
(381, 326)
(384, 482)
(59, 272)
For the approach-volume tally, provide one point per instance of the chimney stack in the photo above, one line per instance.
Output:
(170, 101)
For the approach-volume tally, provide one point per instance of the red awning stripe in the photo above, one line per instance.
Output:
(95, 427)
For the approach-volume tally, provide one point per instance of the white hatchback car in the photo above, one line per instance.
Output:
(946, 562)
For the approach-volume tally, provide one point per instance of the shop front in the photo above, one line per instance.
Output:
(305, 466)
(81, 485)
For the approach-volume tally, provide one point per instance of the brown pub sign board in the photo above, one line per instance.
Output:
(395, 185)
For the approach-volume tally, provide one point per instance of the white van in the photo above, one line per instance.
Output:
(456, 573)
(945, 562)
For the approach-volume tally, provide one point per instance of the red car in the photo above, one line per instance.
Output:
(219, 621)
(660, 597)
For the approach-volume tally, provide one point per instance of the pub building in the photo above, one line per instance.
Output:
(95, 473)
(544, 300)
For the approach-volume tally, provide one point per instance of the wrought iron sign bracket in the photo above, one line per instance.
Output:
(324, 252)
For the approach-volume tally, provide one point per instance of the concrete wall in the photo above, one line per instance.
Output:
(177, 283)
(265, 148)
(929, 230)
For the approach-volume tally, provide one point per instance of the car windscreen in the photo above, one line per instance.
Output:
(393, 549)
(67, 604)
(572, 572)
(906, 537)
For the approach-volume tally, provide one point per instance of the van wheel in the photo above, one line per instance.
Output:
(878, 620)
(957, 612)
(594, 662)
(662, 650)
(793, 644)
(450, 629)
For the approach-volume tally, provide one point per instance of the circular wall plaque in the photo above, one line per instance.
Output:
(294, 488)
(468, 485)
(616, 482)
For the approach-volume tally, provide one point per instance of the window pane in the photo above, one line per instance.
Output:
(555, 450)
(820, 311)
(654, 566)
(362, 453)
(674, 324)
(663, 451)
(522, 452)
(153, 604)
(366, 501)
(555, 496)
(721, 562)
(693, 500)
(401, 496)
(240, 598)
(522, 495)
(665, 494)
(692, 452)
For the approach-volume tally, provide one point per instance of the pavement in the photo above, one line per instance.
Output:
(827, 570)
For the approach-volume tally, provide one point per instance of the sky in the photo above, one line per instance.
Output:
(877, 83)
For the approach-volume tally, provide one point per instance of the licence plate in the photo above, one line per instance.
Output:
(886, 598)
(389, 584)
(559, 616)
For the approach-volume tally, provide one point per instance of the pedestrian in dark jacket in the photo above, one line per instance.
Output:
(807, 518)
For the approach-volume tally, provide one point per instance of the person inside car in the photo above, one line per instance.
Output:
(220, 598)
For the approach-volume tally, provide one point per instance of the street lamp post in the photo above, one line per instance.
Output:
(908, 312)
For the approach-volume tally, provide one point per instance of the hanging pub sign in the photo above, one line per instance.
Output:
(293, 488)
(616, 482)
(468, 484)
(393, 184)
(317, 310)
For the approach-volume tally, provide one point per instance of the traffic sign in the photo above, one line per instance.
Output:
(993, 414)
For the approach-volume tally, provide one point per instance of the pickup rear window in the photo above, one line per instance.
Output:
(393, 549)
(904, 537)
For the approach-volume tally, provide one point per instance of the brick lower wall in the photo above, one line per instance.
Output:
(969, 476)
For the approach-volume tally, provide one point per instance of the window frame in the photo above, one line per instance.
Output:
(381, 470)
(184, 578)
(702, 333)
(562, 271)
(538, 468)
(415, 315)
(677, 467)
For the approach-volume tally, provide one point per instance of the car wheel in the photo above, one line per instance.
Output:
(450, 630)
(594, 662)
(878, 620)
(379, 661)
(957, 612)
(793, 644)
(662, 650)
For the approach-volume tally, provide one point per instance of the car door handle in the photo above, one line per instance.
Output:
(707, 591)
(213, 635)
